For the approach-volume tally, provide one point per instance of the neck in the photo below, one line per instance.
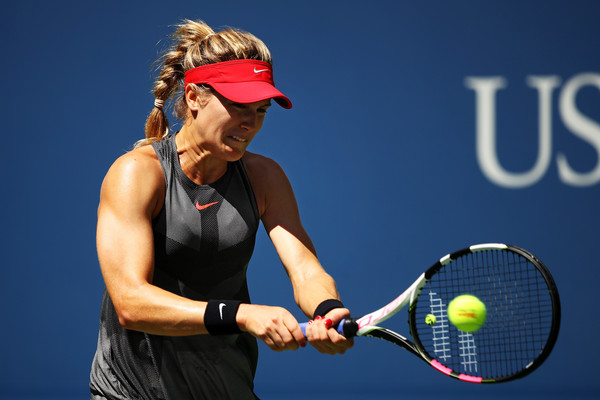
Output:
(198, 163)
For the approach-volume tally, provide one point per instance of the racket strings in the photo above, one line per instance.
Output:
(519, 314)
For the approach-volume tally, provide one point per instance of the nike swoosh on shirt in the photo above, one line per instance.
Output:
(221, 310)
(205, 206)
(256, 71)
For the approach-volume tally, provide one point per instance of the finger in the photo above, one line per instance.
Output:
(327, 340)
(287, 334)
(270, 343)
(318, 330)
(273, 340)
(337, 314)
(308, 330)
(283, 339)
(297, 334)
(293, 333)
(339, 343)
(319, 338)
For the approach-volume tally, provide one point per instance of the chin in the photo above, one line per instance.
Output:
(234, 154)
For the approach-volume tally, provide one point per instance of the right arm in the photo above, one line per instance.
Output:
(132, 194)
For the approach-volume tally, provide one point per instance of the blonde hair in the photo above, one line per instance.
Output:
(194, 44)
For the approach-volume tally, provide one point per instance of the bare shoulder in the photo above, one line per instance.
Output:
(260, 163)
(135, 175)
(135, 164)
(269, 181)
(263, 170)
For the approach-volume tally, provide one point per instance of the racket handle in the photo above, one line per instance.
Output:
(346, 327)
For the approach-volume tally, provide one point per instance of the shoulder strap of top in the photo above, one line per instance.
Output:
(164, 150)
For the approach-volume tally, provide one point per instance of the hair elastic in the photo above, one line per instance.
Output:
(159, 103)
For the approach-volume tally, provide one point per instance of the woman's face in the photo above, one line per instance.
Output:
(226, 128)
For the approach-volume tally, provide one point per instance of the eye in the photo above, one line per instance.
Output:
(264, 108)
(239, 106)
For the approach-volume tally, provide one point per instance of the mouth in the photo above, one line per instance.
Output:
(238, 139)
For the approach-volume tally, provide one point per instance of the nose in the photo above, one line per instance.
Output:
(249, 120)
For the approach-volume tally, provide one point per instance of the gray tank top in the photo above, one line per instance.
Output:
(204, 237)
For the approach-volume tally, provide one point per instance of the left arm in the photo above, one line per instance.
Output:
(281, 218)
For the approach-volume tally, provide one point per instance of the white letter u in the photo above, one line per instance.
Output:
(487, 157)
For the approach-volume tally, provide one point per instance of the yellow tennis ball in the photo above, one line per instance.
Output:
(467, 313)
(430, 319)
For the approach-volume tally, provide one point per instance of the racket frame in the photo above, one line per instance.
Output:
(368, 324)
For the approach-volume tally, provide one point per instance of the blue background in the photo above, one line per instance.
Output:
(380, 148)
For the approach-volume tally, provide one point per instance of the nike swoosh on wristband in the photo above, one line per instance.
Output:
(205, 206)
(221, 310)
(256, 71)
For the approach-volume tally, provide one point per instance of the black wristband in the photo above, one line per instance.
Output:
(219, 317)
(327, 306)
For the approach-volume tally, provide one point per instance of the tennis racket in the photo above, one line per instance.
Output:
(520, 329)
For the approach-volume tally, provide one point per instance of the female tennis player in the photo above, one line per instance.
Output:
(176, 229)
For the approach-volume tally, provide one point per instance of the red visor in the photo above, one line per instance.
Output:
(242, 81)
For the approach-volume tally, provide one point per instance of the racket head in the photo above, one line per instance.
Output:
(522, 322)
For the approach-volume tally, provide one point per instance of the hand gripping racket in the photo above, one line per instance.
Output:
(520, 329)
